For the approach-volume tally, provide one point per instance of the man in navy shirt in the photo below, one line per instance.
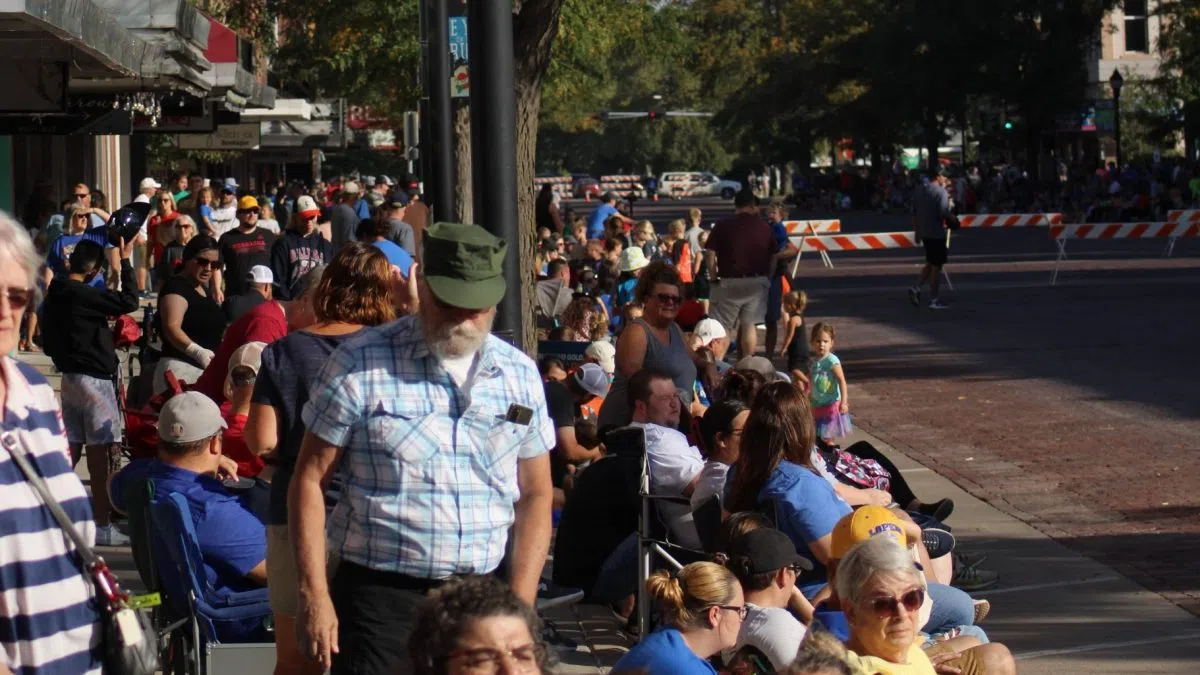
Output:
(607, 208)
(232, 538)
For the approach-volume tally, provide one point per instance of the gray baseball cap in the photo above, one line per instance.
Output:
(591, 378)
(189, 417)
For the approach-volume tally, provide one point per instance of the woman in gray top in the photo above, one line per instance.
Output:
(655, 341)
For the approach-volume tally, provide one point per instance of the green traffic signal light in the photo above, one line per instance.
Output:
(1008, 126)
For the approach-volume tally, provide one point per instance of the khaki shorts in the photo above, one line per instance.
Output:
(968, 660)
(283, 582)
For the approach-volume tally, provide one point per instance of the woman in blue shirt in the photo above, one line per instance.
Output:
(703, 609)
(775, 468)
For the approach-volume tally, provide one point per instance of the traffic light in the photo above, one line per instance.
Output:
(1008, 125)
(655, 115)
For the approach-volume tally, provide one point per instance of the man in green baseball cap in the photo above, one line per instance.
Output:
(442, 430)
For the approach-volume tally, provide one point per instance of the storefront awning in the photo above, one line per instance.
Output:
(78, 33)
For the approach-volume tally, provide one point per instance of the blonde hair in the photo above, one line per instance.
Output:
(823, 327)
(821, 652)
(781, 206)
(676, 228)
(684, 596)
(795, 302)
(693, 215)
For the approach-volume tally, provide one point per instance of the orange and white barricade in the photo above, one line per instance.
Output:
(1169, 231)
(799, 230)
(981, 220)
(622, 185)
(1183, 217)
(866, 242)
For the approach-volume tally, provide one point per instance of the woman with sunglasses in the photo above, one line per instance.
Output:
(161, 228)
(702, 610)
(170, 260)
(654, 341)
(192, 321)
(77, 223)
(881, 593)
(45, 596)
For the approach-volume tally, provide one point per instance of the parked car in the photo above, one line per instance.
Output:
(679, 184)
(582, 187)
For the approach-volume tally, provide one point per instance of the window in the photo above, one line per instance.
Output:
(1137, 26)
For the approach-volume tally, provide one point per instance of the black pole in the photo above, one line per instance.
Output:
(1117, 123)
(437, 116)
(494, 142)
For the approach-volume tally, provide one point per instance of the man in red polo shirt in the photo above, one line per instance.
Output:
(265, 323)
(740, 271)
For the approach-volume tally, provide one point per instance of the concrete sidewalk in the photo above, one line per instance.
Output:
(1058, 611)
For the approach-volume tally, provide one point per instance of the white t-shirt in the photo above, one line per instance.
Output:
(269, 224)
(673, 465)
(461, 369)
(712, 482)
(224, 219)
(144, 231)
(772, 631)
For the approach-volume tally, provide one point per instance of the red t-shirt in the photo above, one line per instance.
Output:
(233, 446)
(744, 245)
(265, 323)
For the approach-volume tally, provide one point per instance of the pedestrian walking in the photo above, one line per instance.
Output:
(745, 247)
(931, 217)
(440, 434)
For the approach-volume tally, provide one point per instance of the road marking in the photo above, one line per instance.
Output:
(1048, 584)
(915, 470)
(1105, 645)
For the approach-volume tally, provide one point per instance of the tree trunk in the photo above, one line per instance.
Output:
(535, 25)
(464, 211)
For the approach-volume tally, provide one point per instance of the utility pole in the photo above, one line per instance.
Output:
(437, 122)
(494, 143)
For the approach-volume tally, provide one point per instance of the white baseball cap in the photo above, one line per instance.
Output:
(350, 188)
(307, 207)
(149, 183)
(605, 354)
(260, 274)
(708, 330)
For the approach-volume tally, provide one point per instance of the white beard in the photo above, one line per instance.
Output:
(457, 340)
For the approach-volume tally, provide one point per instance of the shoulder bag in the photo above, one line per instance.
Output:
(130, 645)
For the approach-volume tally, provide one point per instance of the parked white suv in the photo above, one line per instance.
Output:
(678, 184)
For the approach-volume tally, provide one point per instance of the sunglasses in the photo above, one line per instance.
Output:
(18, 298)
(741, 610)
(668, 299)
(81, 216)
(82, 196)
(205, 263)
(890, 606)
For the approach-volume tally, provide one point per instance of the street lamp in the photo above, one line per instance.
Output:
(1116, 81)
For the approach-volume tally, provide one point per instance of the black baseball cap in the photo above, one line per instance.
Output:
(764, 550)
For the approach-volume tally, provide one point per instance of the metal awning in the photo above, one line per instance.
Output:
(232, 82)
(77, 32)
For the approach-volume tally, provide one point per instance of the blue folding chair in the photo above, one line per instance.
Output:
(215, 617)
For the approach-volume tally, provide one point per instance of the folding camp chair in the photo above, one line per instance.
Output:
(211, 616)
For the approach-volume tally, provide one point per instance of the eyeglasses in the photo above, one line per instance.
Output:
(186, 226)
(741, 610)
(18, 298)
(796, 568)
(668, 299)
(205, 263)
(521, 659)
(890, 606)
(82, 196)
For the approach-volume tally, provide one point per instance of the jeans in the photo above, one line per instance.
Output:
(618, 577)
(951, 608)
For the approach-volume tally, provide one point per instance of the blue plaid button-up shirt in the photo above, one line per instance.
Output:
(429, 471)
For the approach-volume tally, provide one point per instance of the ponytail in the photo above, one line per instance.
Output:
(685, 596)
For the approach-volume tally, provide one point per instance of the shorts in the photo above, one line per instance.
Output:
(968, 661)
(739, 301)
(90, 412)
(775, 300)
(936, 251)
(141, 255)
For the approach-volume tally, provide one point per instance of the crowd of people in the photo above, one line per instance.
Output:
(351, 436)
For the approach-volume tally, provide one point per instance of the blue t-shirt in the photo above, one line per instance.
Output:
(206, 211)
(595, 224)
(663, 652)
(232, 539)
(825, 390)
(59, 253)
(395, 255)
(781, 234)
(363, 209)
(807, 509)
(625, 291)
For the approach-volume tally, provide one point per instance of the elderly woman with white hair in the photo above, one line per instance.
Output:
(49, 620)
(882, 592)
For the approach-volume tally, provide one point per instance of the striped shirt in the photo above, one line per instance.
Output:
(49, 621)
(429, 471)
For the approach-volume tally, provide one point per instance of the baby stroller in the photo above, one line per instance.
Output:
(138, 406)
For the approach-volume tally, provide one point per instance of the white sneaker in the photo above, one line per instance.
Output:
(938, 304)
(109, 535)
